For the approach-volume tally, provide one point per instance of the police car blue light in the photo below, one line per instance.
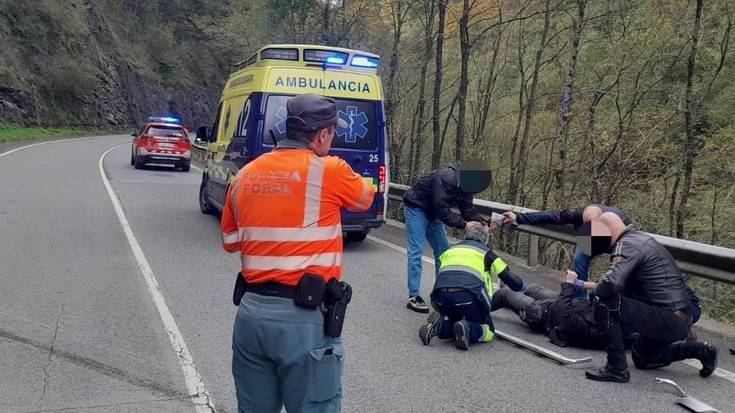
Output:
(166, 119)
(365, 61)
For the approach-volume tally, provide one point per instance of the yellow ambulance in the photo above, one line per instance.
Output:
(251, 118)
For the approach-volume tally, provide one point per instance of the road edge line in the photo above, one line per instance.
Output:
(194, 383)
(20, 148)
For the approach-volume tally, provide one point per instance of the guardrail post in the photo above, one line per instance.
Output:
(532, 250)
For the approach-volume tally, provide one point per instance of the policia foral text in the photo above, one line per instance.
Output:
(286, 349)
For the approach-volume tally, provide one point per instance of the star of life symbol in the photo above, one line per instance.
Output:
(356, 122)
(281, 115)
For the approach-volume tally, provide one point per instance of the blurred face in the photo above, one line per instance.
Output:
(594, 238)
(323, 141)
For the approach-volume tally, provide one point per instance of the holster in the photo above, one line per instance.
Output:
(337, 295)
(240, 288)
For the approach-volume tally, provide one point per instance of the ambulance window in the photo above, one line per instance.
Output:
(274, 125)
(361, 132)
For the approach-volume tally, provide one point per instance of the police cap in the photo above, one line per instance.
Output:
(311, 112)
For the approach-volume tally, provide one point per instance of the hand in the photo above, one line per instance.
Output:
(570, 277)
(509, 217)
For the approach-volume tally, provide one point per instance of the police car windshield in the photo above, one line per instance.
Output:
(360, 134)
(165, 131)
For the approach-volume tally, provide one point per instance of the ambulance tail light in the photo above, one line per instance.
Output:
(381, 179)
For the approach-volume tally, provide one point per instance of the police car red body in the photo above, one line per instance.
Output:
(162, 140)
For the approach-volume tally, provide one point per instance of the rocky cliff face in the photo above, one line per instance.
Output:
(100, 63)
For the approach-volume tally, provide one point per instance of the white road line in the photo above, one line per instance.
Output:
(47, 142)
(719, 372)
(194, 383)
(398, 248)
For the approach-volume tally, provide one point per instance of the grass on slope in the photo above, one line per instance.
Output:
(15, 133)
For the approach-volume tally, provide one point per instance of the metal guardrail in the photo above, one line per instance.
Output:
(695, 258)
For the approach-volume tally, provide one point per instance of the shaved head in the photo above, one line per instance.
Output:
(613, 223)
(591, 213)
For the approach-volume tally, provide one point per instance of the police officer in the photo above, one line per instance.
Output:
(290, 243)
(643, 291)
(576, 217)
(462, 290)
(427, 207)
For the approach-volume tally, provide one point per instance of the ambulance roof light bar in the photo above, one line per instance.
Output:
(365, 61)
(280, 54)
(332, 57)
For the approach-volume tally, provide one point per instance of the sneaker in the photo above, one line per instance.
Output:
(416, 303)
(431, 328)
(709, 360)
(608, 374)
(462, 335)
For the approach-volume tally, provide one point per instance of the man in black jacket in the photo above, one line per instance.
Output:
(427, 207)
(575, 217)
(566, 320)
(643, 292)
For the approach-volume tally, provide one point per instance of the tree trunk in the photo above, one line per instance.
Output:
(531, 101)
(566, 105)
(436, 154)
(512, 193)
(691, 143)
(464, 47)
(486, 92)
(421, 106)
(325, 27)
(392, 100)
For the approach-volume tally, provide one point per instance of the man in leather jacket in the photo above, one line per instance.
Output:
(642, 292)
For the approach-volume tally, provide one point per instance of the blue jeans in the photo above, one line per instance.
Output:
(418, 230)
(582, 268)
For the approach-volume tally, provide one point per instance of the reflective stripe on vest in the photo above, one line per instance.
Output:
(469, 259)
(290, 234)
(265, 263)
(313, 191)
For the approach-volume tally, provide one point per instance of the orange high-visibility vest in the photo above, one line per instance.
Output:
(282, 212)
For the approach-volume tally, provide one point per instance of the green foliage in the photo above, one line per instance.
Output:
(15, 133)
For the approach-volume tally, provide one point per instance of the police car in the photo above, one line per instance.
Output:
(251, 118)
(162, 140)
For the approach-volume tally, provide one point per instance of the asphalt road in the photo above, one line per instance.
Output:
(79, 329)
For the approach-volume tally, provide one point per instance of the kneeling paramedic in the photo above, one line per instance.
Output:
(462, 291)
(286, 348)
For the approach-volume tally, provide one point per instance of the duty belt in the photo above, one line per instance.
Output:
(451, 289)
(272, 289)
